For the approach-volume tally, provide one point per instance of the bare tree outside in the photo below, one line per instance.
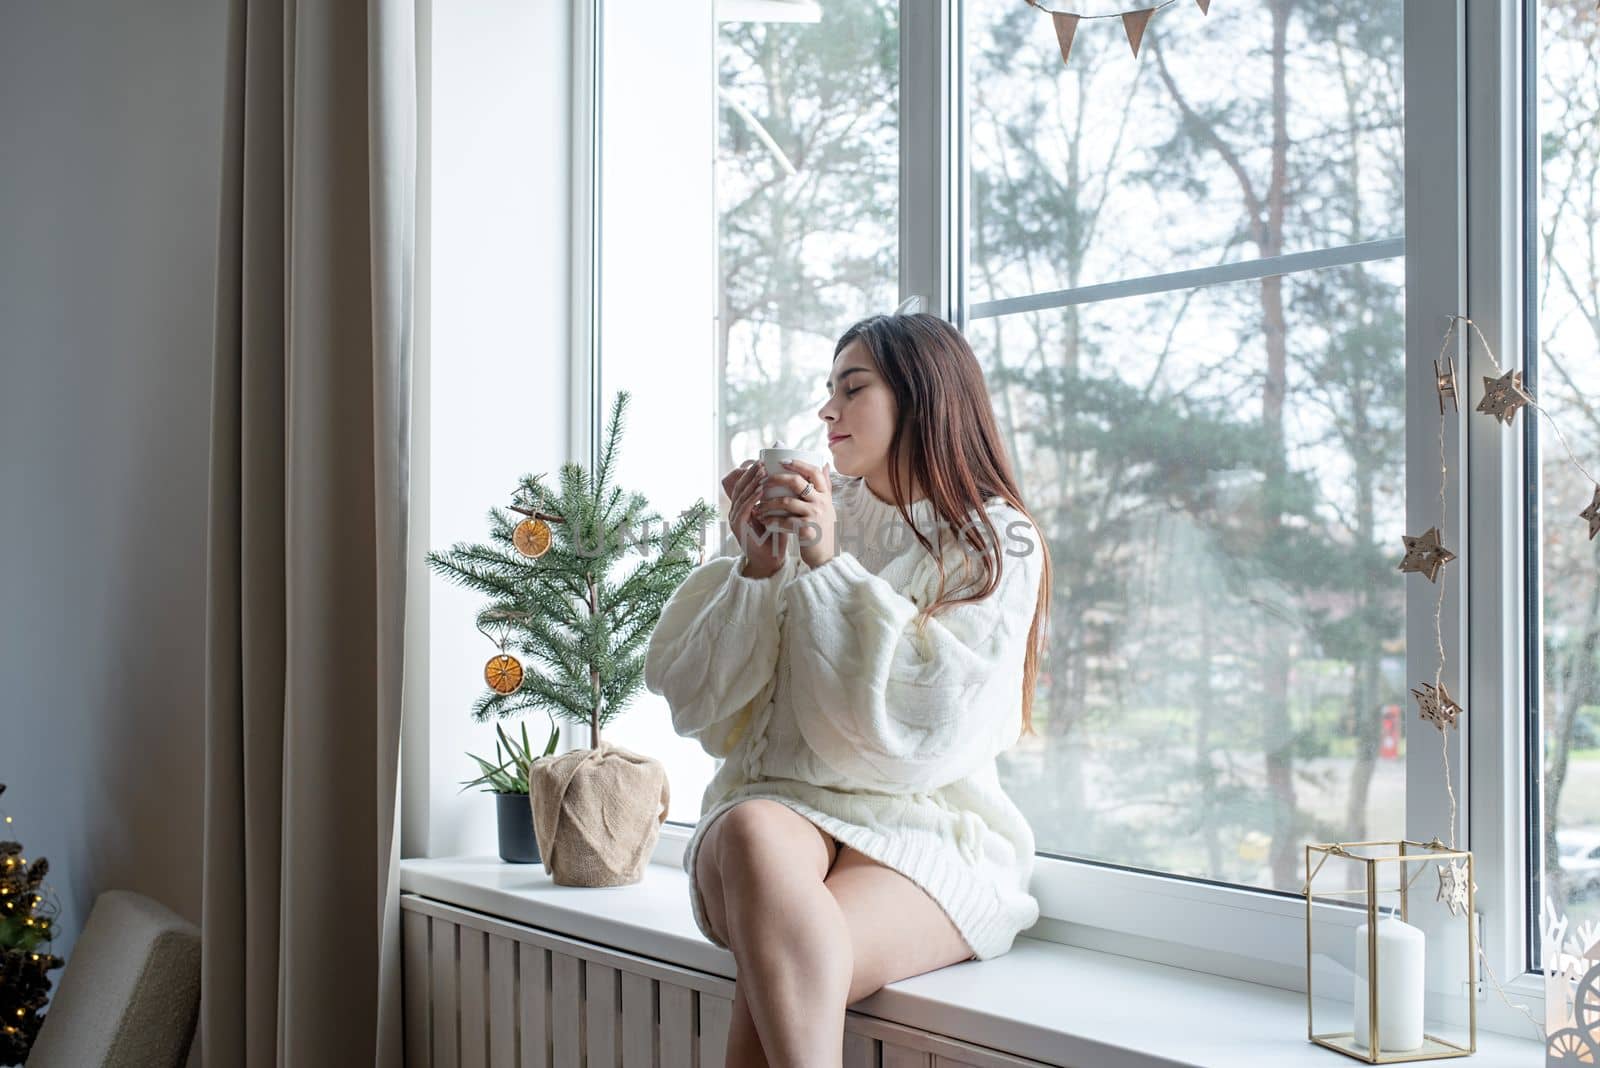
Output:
(807, 187)
(1220, 469)
(1565, 374)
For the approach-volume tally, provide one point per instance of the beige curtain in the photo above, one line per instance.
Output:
(310, 429)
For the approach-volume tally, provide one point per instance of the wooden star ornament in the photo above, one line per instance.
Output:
(1592, 514)
(1453, 887)
(1437, 706)
(1446, 383)
(1504, 395)
(1424, 554)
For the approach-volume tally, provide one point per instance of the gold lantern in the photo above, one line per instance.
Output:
(1402, 913)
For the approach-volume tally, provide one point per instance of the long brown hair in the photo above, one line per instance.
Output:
(945, 430)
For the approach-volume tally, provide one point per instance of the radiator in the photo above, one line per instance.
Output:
(481, 992)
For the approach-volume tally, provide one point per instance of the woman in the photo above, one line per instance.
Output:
(856, 832)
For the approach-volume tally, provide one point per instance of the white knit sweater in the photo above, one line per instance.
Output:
(815, 690)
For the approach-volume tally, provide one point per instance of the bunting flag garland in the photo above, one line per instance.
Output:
(1066, 25)
(1134, 23)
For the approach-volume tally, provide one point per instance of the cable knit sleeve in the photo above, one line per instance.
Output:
(900, 711)
(714, 649)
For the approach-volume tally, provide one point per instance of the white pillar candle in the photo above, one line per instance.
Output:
(1400, 985)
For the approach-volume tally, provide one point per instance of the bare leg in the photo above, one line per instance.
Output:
(896, 929)
(744, 1044)
(787, 933)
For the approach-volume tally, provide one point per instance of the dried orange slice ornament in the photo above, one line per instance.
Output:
(532, 538)
(503, 673)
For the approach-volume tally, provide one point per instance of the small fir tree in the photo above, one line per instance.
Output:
(27, 926)
(584, 628)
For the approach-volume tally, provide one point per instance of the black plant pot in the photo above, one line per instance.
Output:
(514, 815)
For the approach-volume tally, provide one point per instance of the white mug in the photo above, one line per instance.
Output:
(772, 460)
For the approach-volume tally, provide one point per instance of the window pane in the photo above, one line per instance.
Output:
(808, 164)
(1226, 678)
(1222, 468)
(805, 180)
(1564, 290)
(1112, 167)
(657, 280)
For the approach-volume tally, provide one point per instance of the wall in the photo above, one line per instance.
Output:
(110, 134)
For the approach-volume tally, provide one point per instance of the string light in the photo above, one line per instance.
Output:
(1446, 387)
(1514, 397)
(1438, 625)
(22, 892)
(1532, 402)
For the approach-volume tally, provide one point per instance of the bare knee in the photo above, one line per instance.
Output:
(710, 885)
(748, 828)
(760, 839)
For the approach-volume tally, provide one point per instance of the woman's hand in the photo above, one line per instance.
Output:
(811, 518)
(764, 547)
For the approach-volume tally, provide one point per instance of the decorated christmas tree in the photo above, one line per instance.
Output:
(27, 926)
(554, 600)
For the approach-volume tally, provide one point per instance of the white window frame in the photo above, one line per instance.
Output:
(1458, 260)
(583, 426)
(1491, 224)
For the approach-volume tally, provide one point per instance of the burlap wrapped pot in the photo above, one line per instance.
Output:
(597, 813)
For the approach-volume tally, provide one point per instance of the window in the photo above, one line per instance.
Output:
(1188, 298)
(807, 192)
(1563, 335)
(787, 237)
(1207, 311)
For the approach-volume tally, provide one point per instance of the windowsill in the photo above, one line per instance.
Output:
(1056, 1003)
